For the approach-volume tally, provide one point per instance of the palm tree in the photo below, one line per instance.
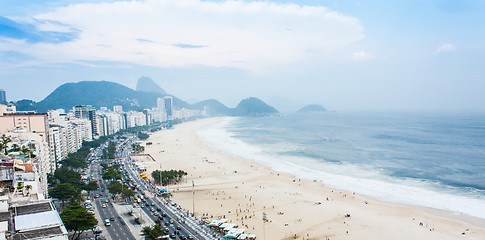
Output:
(3, 144)
(28, 187)
(154, 232)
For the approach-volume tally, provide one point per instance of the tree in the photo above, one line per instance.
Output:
(137, 148)
(66, 175)
(113, 172)
(63, 191)
(143, 136)
(28, 187)
(3, 144)
(168, 176)
(91, 186)
(153, 232)
(127, 193)
(77, 219)
(115, 187)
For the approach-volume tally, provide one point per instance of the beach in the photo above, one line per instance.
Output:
(219, 185)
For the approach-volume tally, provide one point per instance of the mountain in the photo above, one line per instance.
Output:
(312, 108)
(146, 84)
(254, 107)
(108, 94)
(214, 107)
(101, 94)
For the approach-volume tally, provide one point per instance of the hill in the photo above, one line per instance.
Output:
(100, 94)
(146, 84)
(312, 108)
(214, 107)
(254, 107)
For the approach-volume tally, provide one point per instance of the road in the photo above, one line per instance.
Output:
(118, 228)
(188, 227)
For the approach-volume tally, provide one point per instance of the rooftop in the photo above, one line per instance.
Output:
(41, 220)
(33, 208)
(39, 233)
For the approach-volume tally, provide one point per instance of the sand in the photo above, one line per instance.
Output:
(241, 190)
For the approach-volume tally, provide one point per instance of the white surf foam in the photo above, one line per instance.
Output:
(353, 178)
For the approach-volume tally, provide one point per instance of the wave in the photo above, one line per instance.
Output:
(376, 183)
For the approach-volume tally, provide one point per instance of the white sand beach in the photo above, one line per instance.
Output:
(240, 190)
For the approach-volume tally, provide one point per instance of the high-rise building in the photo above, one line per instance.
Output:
(160, 104)
(87, 112)
(168, 105)
(118, 108)
(3, 96)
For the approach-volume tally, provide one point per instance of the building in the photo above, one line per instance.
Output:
(37, 220)
(118, 109)
(168, 105)
(88, 112)
(32, 122)
(4, 109)
(3, 96)
(160, 104)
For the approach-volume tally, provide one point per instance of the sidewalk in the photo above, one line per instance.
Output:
(135, 228)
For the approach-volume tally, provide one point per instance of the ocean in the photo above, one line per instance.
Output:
(432, 160)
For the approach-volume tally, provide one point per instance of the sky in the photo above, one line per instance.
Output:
(373, 55)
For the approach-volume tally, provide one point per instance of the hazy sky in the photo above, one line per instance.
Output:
(342, 54)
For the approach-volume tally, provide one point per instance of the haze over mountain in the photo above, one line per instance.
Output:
(254, 107)
(108, 94)
(146, 84)
(311, 108)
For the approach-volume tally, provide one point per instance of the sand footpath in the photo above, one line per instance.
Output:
(240, 190)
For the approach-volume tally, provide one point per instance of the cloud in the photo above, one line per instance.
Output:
(445, 47)
(31, 33)
(184, 45)
(362, 56)
(247, 35)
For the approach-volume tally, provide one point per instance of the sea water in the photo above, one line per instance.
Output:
(432, 160)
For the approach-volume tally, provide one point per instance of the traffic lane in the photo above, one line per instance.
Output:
(118, 229)
(179, 220)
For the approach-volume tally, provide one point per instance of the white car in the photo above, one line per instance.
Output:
(107, 222)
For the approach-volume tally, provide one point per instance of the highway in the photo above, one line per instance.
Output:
(188, 228)
(117, 229)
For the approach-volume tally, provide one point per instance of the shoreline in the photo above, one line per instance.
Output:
(241, 190)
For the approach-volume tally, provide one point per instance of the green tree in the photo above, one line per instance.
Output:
(143, 136)
(3, 144)
(115, 187)
(91, 186)
(66, 175)
(171, 176)
(77, 219)
(153, 232)
(112, 173)
(63, 191)
(127, 193)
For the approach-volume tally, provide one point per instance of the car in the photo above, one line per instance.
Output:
(190, 237)
(172, 235)
(152, 209)
(106, 201)
(97, 229)
(167, 223)
(164, 214)
(104, 205)
(101, 237)
(96, 196)
(153, 204)
(107, 222)
(112, 218)
(178, 227)
(159, 209)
